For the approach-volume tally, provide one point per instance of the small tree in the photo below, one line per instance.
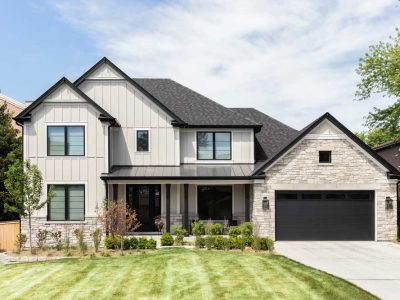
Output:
(24, 182)
(117, 219)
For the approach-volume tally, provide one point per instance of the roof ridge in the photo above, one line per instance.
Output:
(12, 101)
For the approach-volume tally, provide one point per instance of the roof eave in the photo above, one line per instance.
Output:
(106, 177)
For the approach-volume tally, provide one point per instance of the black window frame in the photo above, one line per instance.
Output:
(329, 161)
(148, 140)
(66, 140)
(213, 145)
(66, 213)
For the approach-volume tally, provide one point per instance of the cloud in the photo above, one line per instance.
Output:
(293, 60)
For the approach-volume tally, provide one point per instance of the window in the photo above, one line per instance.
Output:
(213, 145)
(142, 140)
(325, 157)
(68, 203)
(65, 140)
(214, 202)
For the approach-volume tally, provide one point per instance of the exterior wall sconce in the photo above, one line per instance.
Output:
(389, 203)
(265, 204)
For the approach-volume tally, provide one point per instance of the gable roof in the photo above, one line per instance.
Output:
(176, 120)
(388, 144)
(193, 108)
(14, 102)
(393, 173)
(25, 114)
(272, 136)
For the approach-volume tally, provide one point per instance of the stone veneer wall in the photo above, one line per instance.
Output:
(66, 228)
(351, 169)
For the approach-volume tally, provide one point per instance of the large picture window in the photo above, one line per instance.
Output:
(65, 140)
(68, 203)
(214, 145)
(214, 202)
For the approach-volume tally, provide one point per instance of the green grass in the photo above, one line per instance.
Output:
(174, 274)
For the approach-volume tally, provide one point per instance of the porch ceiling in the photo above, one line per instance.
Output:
(198, 172)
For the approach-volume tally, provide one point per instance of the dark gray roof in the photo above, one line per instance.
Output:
(274, 135)
(231, 171)
(190, 106)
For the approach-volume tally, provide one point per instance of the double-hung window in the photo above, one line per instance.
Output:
(214, 145)
(65, 140)
(67, 204)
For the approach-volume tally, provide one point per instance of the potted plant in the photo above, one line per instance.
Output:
(159, 222)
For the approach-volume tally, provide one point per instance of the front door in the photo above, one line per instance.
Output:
(146, 201)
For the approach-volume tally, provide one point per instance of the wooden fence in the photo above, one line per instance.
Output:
(8, 234)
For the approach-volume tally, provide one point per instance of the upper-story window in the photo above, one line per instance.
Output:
(325, 157)
(65, 140)
(142, 140)
(214, 145)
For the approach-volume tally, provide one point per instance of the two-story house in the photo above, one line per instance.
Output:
(168, 151)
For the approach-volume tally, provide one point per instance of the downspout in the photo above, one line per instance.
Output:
(22, 157)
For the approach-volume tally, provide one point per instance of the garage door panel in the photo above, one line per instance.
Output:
(330, 217)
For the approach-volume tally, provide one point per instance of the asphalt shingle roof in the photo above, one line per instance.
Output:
(192, 107)
(274, 135)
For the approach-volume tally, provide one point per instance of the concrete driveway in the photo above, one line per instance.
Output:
(373, 266)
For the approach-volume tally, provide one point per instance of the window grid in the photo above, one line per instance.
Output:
(67, 199)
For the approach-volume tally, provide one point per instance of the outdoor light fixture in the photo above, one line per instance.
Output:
(389, 203)
(265, 203)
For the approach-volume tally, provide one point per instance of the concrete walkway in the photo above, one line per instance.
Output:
(373, 266)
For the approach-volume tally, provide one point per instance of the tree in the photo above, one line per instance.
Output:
(10, 151)
(117, 219)
(380, 74)
(24, 182)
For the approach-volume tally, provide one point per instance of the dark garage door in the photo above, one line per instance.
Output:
(325, 215)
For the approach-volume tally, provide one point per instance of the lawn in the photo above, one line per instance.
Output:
(174, 274)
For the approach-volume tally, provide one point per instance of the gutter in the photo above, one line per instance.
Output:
(105, 177)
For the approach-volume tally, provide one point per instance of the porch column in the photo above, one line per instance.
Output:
(247, 202)
(168, 207)
(186, 207)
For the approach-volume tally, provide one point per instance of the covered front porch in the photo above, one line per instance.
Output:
(180, 200)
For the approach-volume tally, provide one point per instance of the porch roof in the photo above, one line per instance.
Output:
(198, 172)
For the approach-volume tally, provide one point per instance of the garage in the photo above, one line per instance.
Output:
(325, 215)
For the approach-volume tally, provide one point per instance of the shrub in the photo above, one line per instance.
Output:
(215, 229)
(21, 241)
(256, 245)
(180, 233)
(208, 227)
(232, 243)
(126, 244)
(209, 242)
(112, 242)
(142, 243)
(247, 229)
(133, 242)
(241, 243)
(151, 244)
(200, 242)
(159, 222)
(81, 239)
(234, 231)
(219, 243)
(96, 236)
(105, 254)
(167, 239)
(248, 240)
(56, 236)
(41, 237)
(266, 243)
(225, 227)
(198, 228)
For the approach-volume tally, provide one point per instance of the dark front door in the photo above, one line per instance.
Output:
(325, 215)
(146, 201)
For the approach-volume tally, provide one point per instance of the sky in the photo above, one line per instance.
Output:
(293, 60)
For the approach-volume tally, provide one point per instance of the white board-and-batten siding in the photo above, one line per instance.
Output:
(134, 111)
(68, 169)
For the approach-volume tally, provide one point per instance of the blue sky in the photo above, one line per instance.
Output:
(293, 60)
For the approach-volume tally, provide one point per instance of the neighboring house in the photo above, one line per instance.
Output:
(391, 152)
(167, 150)
(13, 106)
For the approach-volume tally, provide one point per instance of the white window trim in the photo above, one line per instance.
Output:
(149, 136)
(66, 124)
(85, 183)
(213, 161)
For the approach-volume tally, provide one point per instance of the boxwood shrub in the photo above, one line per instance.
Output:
(167, 239)
(234, 231)
(151, 244)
